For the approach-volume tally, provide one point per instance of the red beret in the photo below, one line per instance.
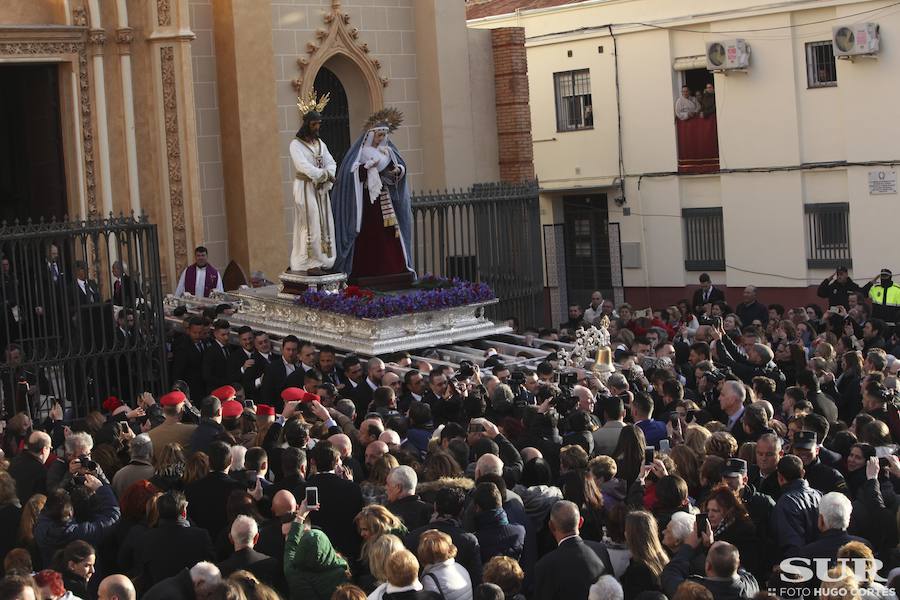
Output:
(307, 397)
(292, 394)
(232, 408)
(111, 404)
(172, 399)
(226, 392)
(264, 410)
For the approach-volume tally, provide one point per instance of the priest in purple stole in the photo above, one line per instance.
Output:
(199, 279)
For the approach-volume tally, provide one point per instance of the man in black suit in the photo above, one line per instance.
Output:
(187, 358)
(403, 500)
(244, 535)
(173, 543)
(27, 468)
(822, 403)
(571, 569)
(707, 294)
(188, 584)
(216, 357)
(241, 358)
(339, 500)
(277, 372)
(262, 357)
(271, 536)
(125, 290)
(328, 366)
(362, 395)
(207, 496)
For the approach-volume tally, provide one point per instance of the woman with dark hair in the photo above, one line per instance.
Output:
(18, 587)
(647, 555)
(441, 470)
(170, 465)
(15, 436)
(849, 399)
(56, 525)
(76, 564)
(730, 523)
(629, 454)
(860, 453)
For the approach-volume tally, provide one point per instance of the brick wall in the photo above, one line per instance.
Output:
(513, 110)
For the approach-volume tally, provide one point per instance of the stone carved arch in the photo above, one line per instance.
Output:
(339, 41)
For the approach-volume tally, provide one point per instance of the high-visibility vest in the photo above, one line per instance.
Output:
(877, 294)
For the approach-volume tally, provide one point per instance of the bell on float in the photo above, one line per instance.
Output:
(604, 362)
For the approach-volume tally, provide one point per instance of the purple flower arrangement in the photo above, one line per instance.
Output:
(430, 293)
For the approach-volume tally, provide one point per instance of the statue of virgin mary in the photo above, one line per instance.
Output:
(372, 209)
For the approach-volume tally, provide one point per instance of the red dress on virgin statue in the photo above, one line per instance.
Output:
(378, 250)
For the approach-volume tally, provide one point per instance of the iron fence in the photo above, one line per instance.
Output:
(82, 313)
(488, 233)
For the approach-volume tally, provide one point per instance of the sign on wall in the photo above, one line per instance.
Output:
(882, 182)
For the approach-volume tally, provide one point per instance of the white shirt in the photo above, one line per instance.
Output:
(371, 384)
(199, 283)
(736, 417)
(288, 367)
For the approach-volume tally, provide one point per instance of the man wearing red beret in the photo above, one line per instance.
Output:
(172, 429)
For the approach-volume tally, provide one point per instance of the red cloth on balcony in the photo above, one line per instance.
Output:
(698, 145)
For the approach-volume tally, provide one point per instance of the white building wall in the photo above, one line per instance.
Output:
(767, 117)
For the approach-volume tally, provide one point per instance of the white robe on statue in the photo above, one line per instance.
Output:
(313, 240)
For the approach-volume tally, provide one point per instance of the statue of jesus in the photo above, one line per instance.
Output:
(313, 247)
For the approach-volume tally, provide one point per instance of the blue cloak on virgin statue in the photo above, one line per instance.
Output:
(372, 208)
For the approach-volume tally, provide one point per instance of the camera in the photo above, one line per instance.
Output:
(466, 369)
(87, 464)
(568, 380)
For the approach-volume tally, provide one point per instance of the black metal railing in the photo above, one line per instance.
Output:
(704, 240)
(488, 233)
(827, 235)
(82, 313)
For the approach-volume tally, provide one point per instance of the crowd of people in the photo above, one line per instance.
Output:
(733, 453)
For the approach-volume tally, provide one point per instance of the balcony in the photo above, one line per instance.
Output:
(698, 145)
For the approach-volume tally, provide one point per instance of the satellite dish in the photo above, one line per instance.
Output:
(716, 54)
(844, 39)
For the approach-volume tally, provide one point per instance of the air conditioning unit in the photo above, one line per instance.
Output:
(727, 55)
(861, 39)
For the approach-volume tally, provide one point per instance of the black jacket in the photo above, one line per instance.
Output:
(255, 372)
(825, 479)
(838, 293)
(179, 587)
(30, 476)
(468, 551)
(731, 356)
(340, 501)
(795, 516)
(742, 586)
(207, 432)
(168, 547)
(715, 295)
(637, 579)
(569, 571)
(265, 568)
(215, 366)
(823, 405)
(412, 511)
(273, 384)
(187, 365)
(206, 501)
(497, 536)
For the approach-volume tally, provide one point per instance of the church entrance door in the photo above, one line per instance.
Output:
(336, 117)
(32, 171)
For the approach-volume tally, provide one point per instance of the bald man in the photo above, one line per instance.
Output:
(374, 451)
(391, 438)
(271, 536)
(116, 587)
(345, 447)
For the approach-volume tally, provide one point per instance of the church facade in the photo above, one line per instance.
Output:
(184, 109)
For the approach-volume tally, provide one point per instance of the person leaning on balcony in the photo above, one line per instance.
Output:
(708, 101)
(686, 107)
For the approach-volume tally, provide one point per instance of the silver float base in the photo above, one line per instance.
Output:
(264, 309)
